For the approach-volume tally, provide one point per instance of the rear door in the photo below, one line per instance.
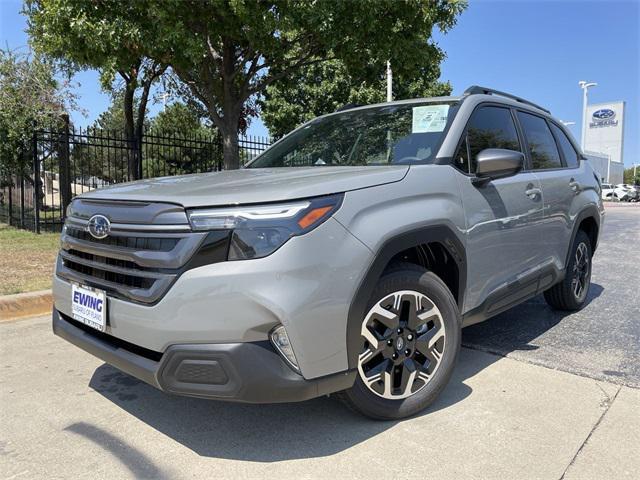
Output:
(555, 162)
(502, 215)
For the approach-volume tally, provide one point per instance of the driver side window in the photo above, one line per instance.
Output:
(488, 127)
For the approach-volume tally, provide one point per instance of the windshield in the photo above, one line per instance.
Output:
(389, 134)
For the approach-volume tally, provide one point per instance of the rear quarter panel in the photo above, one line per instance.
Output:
(588, 199)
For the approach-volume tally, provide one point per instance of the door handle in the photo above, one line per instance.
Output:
(533, 193)
(575, 186)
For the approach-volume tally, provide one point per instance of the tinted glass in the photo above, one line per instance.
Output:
(461, 158)
(373, 136)
(488, 127)
(542, 146)
(569, 153)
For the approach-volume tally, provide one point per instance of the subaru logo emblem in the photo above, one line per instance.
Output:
(99, 226)
(604, 114)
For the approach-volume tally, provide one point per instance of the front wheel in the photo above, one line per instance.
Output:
(410, 343)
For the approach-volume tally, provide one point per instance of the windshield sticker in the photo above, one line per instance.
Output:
(429, 118)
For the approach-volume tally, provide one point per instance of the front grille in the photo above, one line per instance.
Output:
(139, 243)
(134, 262)
(97, 274)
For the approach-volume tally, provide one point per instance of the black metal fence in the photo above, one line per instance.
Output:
(62, 163)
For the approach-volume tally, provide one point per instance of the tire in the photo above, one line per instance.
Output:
(567, 295)
(429, 348)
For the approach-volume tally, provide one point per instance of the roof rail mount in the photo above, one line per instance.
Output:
(476, 90)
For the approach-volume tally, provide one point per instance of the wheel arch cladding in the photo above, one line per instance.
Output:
(590, 226)
(392, 248)
(587, 220)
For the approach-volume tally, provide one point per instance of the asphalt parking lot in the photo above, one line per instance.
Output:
(536, 394)
(603, 340)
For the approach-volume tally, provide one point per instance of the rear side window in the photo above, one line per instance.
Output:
(542, 146)
(568, 152)
(488, 127)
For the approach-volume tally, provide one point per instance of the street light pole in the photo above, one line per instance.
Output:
(389, 82)
(585, 87)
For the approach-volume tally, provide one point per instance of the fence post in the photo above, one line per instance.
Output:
(36, 181)
(22, 200)
(139, 154)
(65, 167)
(10, 222)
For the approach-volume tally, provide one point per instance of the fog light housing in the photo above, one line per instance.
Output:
(280, 341)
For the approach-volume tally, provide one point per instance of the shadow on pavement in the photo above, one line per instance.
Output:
(261, 433)
(136, 462)
(316, 428)
(516, 328)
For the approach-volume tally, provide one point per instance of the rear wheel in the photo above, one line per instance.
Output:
(571, 293)
(410, 342)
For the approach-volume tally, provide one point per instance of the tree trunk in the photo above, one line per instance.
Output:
(139, 126)
(230, 148)
(129, 130)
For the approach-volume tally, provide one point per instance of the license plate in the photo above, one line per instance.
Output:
(89, 306)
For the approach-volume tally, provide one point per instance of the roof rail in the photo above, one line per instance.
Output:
(476, 90)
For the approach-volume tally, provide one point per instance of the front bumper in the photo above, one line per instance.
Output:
(249, 372)
(307, 285)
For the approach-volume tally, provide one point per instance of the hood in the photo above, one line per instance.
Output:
(251, 185)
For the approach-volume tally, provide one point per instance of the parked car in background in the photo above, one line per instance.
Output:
(630, 193)
(614, 193)
(346, 258)
(607, 192)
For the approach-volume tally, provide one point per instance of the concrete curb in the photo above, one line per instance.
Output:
(622, 204)
(23, 305)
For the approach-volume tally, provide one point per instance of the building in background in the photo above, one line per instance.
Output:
(607, 171)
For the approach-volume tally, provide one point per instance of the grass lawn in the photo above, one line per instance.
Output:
(26, 260)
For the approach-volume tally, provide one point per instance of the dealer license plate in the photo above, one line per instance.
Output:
(89, 306)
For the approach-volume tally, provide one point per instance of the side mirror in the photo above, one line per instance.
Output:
(495, 163)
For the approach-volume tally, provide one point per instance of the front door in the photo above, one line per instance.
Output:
(503, 216)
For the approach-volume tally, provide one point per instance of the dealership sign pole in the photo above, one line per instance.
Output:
(585, 87)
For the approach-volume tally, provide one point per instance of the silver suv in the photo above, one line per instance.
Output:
(346, 258)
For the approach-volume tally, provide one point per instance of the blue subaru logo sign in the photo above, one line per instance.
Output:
(99, 226)
(604, 114)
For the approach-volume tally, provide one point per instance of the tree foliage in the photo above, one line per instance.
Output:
(30, 96)
(77, 34)
(628, 177)
(227, 52)
(324, 87)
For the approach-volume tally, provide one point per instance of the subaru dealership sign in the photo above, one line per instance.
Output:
(605, 124)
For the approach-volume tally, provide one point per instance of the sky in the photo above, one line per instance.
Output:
(538, 50)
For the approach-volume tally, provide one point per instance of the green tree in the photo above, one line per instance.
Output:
(193, 146)
(324, 87)
(68, 32)
(178, 119)
(227, 52)
(30, 96)
(628, 177)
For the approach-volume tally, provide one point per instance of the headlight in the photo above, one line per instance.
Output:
(260, 230)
